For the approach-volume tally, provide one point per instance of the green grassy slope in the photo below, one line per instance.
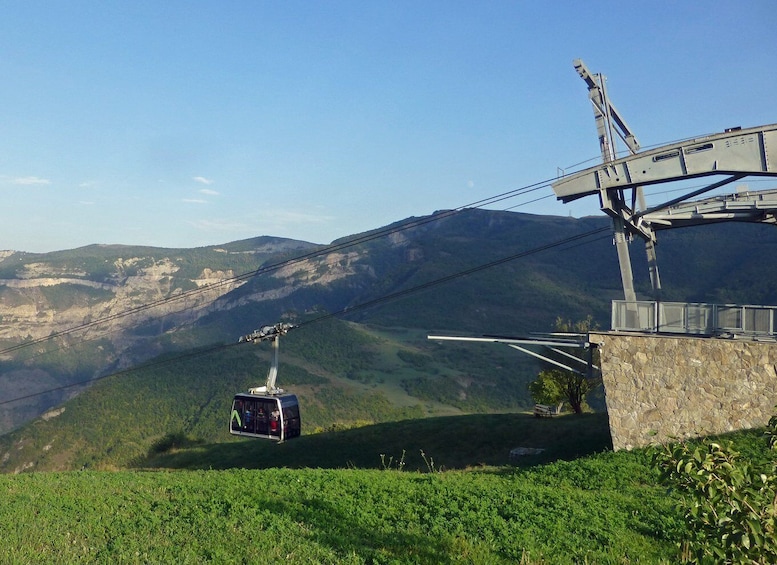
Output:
(612, 513)
(606, 508)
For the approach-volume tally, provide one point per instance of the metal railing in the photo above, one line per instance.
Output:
(694, 318)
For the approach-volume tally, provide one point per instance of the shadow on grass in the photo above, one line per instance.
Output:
(431, 444)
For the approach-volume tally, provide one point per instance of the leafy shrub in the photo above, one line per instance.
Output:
(730, 506)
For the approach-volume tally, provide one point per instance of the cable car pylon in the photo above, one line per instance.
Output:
(735, 154)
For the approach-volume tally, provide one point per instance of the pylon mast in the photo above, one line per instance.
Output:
(609, 122)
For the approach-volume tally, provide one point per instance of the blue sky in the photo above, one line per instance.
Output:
(183, 124)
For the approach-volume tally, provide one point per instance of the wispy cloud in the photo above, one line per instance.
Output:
(194, 201)
(209, 191)
(26, 181)
(202, 180)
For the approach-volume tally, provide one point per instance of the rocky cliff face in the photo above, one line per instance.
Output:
(45, 300)
(111, 293)
(94, 300)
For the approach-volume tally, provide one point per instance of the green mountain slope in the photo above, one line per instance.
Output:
(721, 263)
(344, 374)
(518, 296)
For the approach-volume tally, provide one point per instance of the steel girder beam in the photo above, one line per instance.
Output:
(757, 207)
(736, 152)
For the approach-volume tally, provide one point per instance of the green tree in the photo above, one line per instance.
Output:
(546, 388)
(555, 386)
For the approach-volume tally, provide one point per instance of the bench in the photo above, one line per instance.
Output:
(545, 411)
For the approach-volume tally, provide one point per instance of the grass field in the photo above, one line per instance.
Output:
(437, 490)
(601, 510)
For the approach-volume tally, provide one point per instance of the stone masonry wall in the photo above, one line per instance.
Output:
(660, 388)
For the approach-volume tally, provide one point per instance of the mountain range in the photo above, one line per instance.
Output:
(364, 305)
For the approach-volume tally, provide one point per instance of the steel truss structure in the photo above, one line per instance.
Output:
(618, 182)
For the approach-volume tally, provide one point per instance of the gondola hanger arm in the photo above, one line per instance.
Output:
(272, 334)
(267, 333)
